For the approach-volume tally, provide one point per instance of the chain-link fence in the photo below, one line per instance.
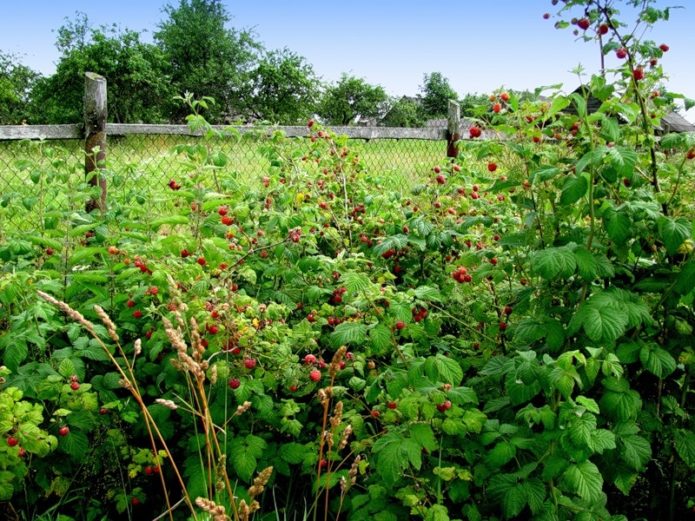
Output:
(46, 175)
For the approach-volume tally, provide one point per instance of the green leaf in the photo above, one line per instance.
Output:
(618, 225)
(622, 160)
(172, 220)
(75, 444)
(684, 441)
(424, 436)
(545, 173)
(381, 339)
(390, 462)
(573, 190)
(244, 454)
(586, 263)
(15, 354)
(293, 453)
(657, 360)
(602, 320)
(673, 232)
(428, 293)
(552, 263)
(593, 158)
(355, 282)
(601, 440)
(440, 368)
(635, 450)
(349, 333)
(585, 480)
(501, 454)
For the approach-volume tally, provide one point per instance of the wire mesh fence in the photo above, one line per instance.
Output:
(49, 174)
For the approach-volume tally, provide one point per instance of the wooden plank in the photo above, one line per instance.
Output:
(121, 129)
(16, 132)
(95, 115)
(453, 131)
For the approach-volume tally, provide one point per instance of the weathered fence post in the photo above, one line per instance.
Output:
(453, 128)
(95, 135)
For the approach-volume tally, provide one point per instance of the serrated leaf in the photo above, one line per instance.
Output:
(601, 321)
(535, 494)
(552, 263)
(585, 480)
(428, 293)
(635, 450)
(601, 440)
(423, 434)
(355, 282)
(618, 225)
(684, 441)
(573, 190)
(349, 333)
(657, 360)
(673, 232)
(622, 160)
(75, 444)
(15, 354)
(591, 158)
(440, 368)
(381, 339)
(390, 460)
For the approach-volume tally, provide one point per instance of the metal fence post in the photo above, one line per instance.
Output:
(453, 129)
(95, 112)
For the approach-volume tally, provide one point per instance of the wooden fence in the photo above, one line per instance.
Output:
(94, 131)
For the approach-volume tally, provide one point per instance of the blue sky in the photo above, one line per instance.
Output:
(478, 45)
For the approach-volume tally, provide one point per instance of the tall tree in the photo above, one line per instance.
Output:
(404, 112)
(207, 57)
(136, 72)
(16, 83)
(436, 93)
(284, 88)
(352, 99)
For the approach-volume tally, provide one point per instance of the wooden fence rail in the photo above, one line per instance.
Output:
(94, 131)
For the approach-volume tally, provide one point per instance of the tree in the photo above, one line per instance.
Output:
(436, 93)
(352, 99)
(405, 112)
(136, 72)
(284, 88)
(16, 82)
(206, 57)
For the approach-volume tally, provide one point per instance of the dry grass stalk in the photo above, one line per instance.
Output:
(106, 320)
(217, 512)
(242, 408)
(72, 313)
(260, 482)
(344, 438)
(167, 403)
(335, 362)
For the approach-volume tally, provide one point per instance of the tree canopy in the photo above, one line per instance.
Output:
(16, 84)
(436, 93)
(352, 99)
(136, 72)
(284, 88)
(206, 57)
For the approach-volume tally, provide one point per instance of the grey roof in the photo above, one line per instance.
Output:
(674, 122)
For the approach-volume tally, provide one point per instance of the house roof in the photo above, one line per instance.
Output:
(674, 122)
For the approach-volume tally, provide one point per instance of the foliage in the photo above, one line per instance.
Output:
(352, 99)
(136, 72)
(207, 57)
(436, 94)
(509, 338)
(16, 83)
(284, 88)
(404, 112)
